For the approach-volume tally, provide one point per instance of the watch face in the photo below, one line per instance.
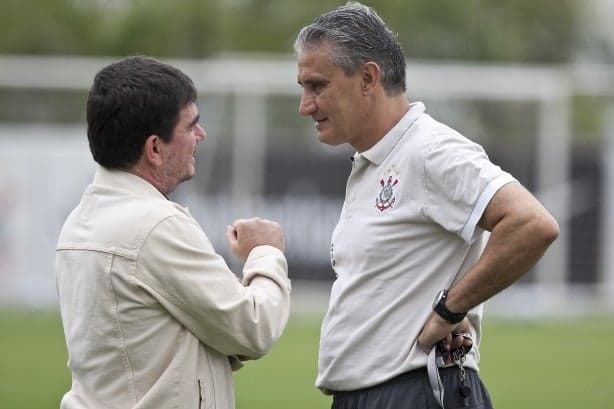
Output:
(441, 294)
(440, 308)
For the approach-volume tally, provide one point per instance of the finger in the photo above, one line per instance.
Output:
(424, 343)
(231, 235)
(464, 340)
(457, 341)
(237, 224)
(462, 327)
(424, 347)
(467, 341)
(446, 343)
(449, 340)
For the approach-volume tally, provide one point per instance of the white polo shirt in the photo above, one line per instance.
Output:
(408, 228)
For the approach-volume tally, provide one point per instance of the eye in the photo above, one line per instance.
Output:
(316, 87)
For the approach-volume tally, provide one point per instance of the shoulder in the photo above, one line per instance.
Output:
(429, 145)
(136, 217)
(427, 135)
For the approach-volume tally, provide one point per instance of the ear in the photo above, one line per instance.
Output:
(370, 77)
(152, 151)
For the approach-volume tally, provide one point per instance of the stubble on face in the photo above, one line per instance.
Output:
(179, 153)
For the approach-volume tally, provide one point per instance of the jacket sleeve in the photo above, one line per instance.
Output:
(179, 267)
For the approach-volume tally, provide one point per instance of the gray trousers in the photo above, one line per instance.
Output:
(412, 390)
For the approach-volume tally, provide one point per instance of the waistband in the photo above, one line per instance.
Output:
(409, 376)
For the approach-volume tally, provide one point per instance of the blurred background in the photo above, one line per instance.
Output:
(532, 81)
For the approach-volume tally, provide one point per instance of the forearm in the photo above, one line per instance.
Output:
(266, 277)
(516, 243)
(180, 269)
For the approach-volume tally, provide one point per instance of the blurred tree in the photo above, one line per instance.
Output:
(487, 30)
(169, 28)
(46, 27)
(512, 30)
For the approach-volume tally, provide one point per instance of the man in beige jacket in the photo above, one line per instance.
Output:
(152, 315)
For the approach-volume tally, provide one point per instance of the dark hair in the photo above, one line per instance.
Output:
(130, 100)
(357, 34)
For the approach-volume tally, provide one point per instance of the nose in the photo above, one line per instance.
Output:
(201, 134)
(307, 106)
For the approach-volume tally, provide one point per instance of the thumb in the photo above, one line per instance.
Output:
(231, 236)
(422, 344)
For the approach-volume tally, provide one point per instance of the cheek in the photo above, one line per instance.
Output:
(346, 113)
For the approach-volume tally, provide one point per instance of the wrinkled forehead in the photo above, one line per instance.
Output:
(315, 60)
(318, 53)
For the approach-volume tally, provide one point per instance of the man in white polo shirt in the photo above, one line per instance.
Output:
(429, 230)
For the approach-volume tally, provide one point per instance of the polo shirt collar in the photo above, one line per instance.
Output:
(378, 152)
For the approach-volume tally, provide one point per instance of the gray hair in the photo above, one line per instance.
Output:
(357, 34)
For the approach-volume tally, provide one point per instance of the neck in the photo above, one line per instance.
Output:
(384, 114)
(150, 176)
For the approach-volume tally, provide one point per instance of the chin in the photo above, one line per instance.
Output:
(187, 176)
(328, 140)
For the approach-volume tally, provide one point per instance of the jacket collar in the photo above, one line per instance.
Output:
(125, 181)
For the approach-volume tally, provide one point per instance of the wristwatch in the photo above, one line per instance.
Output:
(439, 306)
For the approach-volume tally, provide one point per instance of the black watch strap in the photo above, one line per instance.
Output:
(439, 306)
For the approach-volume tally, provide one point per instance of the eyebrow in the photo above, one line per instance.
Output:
(194, 121)
(313, 81)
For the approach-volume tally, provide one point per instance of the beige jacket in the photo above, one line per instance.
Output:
(153, 317)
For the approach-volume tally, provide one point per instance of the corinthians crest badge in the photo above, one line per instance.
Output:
(386, 197)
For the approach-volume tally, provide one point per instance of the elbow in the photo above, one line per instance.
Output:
(260, 343)
(265, 322)
(262, 346)
(547, 229)
(261, 350)
(264, 332)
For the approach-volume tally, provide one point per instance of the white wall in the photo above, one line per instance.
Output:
(42, 173)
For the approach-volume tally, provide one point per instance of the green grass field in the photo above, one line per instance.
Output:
(562, 364)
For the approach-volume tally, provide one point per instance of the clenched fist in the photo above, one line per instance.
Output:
(245, 234)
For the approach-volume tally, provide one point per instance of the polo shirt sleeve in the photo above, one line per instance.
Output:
(460, 181)
(179, 267)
